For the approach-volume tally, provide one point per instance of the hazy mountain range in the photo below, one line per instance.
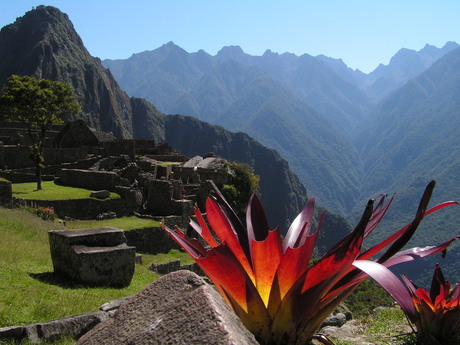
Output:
(348, 135)
(315, 111)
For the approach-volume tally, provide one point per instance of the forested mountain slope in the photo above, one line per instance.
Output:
(246, 93)
(412, 137)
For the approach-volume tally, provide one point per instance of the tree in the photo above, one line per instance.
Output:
(38, 104)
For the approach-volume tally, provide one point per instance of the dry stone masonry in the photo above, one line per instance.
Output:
(93, 256)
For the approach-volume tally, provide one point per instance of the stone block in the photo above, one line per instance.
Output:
(6, 194)
(13, 333)
(100, 194)
(180, 308)
(150, 240)
(74, 326)
(93, 256)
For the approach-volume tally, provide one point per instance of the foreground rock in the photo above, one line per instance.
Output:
(72, 326)
(179, 308)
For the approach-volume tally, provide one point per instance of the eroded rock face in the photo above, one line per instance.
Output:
(179, 308)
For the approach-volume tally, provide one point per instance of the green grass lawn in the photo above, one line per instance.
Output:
(124, 223)
(28, 291)
(51, 191)
(173, 255)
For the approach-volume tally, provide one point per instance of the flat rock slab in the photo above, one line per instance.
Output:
(178, 308)
(53, 330)
(95, 257)
(100, 194)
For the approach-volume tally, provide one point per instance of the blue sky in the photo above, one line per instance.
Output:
(363, 33)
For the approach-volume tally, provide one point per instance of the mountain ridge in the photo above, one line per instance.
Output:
(229, 85)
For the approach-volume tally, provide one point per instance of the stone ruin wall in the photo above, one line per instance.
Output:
(217, 175)
(6, 193)
(150, 240)
(48, 172)
(80, 208)
(16, 157)
(119, 147)
(89, 179)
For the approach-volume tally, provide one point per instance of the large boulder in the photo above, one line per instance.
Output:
(179, 308)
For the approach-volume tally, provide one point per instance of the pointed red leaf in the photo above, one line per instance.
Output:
(298, 225)
(436, 283)
(266, 256)
(377, 215)
(386, 279)
(338, 260)
(416, 253)
(378, 247)
(224, 270)
(194, 248)
(256, 221)
(237, 226)
(406, 235)
(294, 263)
(203, 229)
(226, 233)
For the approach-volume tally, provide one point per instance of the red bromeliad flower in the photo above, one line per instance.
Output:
(270, 284)
(435, 314)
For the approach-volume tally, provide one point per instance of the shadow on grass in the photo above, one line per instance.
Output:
(65, 282)
(57, 279)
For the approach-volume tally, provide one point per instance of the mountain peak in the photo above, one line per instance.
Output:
(32, 40)
(231, 52)
(170, 45)
(451, 45)
(44, 44)
(268, 52)
(41, 21)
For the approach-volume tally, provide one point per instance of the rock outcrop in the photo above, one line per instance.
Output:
(179, 308)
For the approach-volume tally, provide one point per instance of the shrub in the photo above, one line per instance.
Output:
(45, 213)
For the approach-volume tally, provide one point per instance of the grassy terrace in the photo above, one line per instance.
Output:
(29, 290)
(51, 191)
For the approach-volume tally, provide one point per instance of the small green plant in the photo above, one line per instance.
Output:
(388, 326)
(243, 184)
(368, 296)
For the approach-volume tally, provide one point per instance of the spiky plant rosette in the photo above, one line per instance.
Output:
(270, 284)
(435, 314)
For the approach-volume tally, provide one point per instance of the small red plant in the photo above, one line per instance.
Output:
(435, 313)
(270, 284)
